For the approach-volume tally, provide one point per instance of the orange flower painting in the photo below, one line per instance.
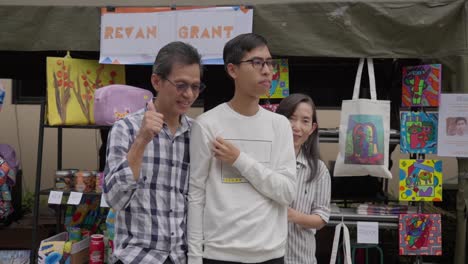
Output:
(71, 84)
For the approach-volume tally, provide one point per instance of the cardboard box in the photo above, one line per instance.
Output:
(52, 248)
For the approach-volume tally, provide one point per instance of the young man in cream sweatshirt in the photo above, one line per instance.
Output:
(242, 168)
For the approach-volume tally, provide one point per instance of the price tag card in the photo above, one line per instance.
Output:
(55, 197)
(103, 201)
(368, 232)
(75, 198)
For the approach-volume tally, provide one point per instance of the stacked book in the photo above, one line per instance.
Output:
(385, 209)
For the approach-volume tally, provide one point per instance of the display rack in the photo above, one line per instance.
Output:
(37, 190)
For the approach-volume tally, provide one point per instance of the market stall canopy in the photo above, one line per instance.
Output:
(393, 29)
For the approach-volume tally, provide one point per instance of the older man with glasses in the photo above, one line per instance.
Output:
(146, 175)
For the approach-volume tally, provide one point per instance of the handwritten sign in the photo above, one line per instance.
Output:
(55, 197)
(75, 198)
(135, 35)
(367, 232)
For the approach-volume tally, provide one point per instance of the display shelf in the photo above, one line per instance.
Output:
(78, 126)
(37, 191)
(47, 192)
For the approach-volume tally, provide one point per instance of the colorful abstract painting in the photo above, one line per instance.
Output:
(418, 133)
(280, 83)
(420, 180)
(270, 107)
(421, 85)
(365, 140)
(420, 234)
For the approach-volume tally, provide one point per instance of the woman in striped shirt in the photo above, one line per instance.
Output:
(311, 208)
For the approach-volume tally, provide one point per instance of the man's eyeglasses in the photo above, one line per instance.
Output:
(182, 87)
(258, 64)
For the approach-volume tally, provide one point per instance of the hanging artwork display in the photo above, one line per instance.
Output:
(420, 234)
(418, 132)
(70, 88)
(420, 180)
(421, 85)
(280, 82)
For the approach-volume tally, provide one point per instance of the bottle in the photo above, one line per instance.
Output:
(96, 249)
(63, 180)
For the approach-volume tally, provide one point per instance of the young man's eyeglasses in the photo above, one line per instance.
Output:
(183, 87)
(258, 64)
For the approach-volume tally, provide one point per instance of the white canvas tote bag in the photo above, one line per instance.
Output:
(346, 244)
(364, 132)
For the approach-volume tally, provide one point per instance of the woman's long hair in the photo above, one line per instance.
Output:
(310, 147)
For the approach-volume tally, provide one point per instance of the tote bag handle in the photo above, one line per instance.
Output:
(357, 82)
(346, 244)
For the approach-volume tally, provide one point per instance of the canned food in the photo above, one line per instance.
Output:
(74, 234)
(63, 180)
(90, 182)
(85, 233)
(99, 181)
(80, 185)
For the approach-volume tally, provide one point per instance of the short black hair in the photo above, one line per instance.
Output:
(236, 48)
(460, 119)
(176, 52)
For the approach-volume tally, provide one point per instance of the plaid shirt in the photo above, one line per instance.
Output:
(150, 223)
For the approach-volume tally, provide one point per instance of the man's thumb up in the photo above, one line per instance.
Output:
(150, 106)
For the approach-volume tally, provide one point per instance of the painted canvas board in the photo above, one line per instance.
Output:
(420, 180)
(421, 85)
(420, 234)
(280, 82)
(364, 140)
(418, 132)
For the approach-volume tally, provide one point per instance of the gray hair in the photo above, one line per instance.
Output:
(176, 52)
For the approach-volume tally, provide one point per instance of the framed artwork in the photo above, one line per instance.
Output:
(280, 82)
(421, 85)
(420, 234)
(420, 180)
(418, 132)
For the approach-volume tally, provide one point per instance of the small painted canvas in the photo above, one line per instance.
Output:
(280, 82)
(270, 107)
(421, 85)
(420, 180)
(420, 234)
(418, 133)
(364, 140)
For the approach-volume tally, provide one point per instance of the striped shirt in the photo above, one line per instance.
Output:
(150, 223)
(311, 198)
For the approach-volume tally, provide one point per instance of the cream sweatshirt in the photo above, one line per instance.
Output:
(239, 212)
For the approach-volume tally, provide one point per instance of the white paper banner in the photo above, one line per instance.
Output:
(135, 35)
(453, 125)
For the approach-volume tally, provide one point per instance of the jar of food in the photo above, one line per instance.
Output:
(73, 171)
(89, 180)
(63, 180)
(99, 181)
(79, 180)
